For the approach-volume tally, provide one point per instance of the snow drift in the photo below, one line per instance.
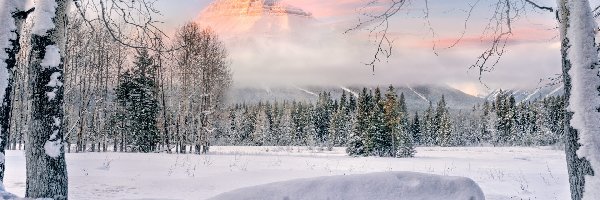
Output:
(384, 185)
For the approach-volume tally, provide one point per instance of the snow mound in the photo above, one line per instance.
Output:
(382, 186)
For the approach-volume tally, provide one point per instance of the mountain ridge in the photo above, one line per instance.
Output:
(418, 97)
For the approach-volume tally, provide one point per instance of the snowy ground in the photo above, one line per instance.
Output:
(502, 173)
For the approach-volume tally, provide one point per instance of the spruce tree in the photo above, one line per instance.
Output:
(339, 127)
(287, 126)
(351, 103)
(405, 137)
(392, 112)
(429, 128)
(443, 123)
(355, 144)
(262, 131)
(357, 141)
(406, 146)
(137, 95)
(416, 129)
(380, 142)
(322, 117)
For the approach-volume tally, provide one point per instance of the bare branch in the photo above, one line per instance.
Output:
(535, 5)
(378, 26)
(464, 31)
(130, 23)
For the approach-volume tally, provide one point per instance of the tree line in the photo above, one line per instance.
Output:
(379, 124)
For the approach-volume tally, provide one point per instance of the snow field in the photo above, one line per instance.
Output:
(502, 173)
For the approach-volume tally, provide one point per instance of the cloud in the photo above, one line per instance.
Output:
(316, 52)
(519, 35)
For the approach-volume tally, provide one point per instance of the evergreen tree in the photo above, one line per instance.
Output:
(310, 131)
(487, 123)
(429, 126)
(416, 130)
(322, 117)
(343, 104)
(339, 127)
(351, 103)
(391, 111)
(357, 143)
(406, 146)
(443, 124)
(287, 127)
(262, 132)
(380, 141)
(300, 119)
(137, 95)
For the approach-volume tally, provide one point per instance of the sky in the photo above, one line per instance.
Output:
(317, 52)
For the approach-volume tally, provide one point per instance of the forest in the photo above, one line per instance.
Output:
(379, 124)
(173, 100)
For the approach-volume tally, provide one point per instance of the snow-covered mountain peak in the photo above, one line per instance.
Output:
(232, 17)
(236, 8)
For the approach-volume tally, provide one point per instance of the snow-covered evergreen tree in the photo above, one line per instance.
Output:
(406, 146)
(262, 132)
(380, 142)
(286, 126)
(443, 124)
(137, 96)
(358, 139)
(429, 126)
(355, 145)
(391, 111)
(322, 117)
(415, 129)
(338, 129)
(247, 125)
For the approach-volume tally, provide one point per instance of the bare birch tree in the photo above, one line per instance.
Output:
(204, 77)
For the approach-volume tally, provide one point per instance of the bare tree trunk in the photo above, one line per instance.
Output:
(44, 149)
(11, 9)
(577, 167)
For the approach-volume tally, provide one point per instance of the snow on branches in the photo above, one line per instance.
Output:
(8, 30)
(46, 11)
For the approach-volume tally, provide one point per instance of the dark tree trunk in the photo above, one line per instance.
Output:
(44, 149)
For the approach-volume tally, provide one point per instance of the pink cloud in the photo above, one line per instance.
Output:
(328, 8)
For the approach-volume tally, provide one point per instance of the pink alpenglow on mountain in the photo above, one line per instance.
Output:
(230, 17)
